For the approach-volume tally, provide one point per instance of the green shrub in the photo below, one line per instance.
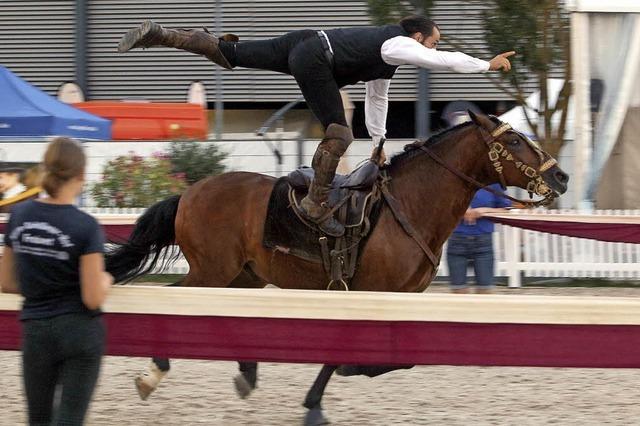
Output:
(133, 181)
(196, 160)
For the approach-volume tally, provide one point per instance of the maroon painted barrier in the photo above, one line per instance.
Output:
(610, 232)
(362, 342)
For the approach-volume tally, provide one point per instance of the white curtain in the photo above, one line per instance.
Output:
(614, 59)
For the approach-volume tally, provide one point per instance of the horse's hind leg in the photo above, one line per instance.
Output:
(314, 416)
(148, 381)
(246, 381)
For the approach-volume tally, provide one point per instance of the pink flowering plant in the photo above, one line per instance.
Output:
(134, 181)
(196, 160)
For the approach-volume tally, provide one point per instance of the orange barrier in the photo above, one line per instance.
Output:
(146, 120)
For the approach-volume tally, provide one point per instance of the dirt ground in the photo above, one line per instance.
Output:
(201, 392)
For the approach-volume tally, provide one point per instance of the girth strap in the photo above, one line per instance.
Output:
(404, 222)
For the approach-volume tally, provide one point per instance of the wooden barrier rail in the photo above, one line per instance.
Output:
(364, 328)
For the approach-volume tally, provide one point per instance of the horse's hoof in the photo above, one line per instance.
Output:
(315, 417)
(243, 387)
(144, 389)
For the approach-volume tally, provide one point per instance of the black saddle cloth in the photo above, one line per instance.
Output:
(284, 230)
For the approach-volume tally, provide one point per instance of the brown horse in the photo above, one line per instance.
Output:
(218, 224)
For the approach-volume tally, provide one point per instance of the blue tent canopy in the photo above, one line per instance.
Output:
(27, 111)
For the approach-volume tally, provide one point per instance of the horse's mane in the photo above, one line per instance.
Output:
(412, 150)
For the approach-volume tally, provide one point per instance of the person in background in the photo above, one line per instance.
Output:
(54, 259)
(17, 185)
(472, 242)
(10, 184)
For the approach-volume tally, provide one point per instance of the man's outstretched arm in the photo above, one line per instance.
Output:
(407, 51)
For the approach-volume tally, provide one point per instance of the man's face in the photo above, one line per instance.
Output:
(8, 180)
(430, 42)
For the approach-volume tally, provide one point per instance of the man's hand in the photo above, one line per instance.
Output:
(471, 215)
(382, 158)
(501, 62)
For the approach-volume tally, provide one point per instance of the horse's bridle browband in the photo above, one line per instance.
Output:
(497, 154)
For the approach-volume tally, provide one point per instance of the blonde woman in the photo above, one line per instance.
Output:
(54, 258)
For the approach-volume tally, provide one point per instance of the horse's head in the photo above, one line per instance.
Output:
(518, 161)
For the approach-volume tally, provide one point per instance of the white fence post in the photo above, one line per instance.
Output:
(512, 255)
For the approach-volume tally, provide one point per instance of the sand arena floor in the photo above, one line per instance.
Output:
(201, 392)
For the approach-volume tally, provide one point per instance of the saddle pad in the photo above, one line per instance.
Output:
(284, 230)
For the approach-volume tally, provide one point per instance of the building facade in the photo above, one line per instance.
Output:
(49, 42)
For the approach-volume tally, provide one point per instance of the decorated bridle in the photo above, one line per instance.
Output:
(498, 153)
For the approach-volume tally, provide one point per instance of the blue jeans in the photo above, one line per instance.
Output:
(474, 249)
(61, 351)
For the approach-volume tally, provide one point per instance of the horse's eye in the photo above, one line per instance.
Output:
(514, 142)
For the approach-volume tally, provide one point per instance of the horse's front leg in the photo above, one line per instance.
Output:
(369, 370)
(247, 379)
(147, 381)
(314, 416)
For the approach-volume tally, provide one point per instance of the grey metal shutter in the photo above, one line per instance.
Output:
(268, 18)
(161, 73)
(263, 19)
(155, 74)
(38, 41)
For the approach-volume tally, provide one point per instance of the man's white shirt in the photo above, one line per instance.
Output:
(402, 50)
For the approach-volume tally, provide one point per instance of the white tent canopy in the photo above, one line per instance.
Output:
(605, 44)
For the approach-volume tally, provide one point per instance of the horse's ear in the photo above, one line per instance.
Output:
(481, 120)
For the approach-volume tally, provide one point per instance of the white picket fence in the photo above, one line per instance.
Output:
(521, 253)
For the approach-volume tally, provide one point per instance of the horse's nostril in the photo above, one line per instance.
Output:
(562, 177)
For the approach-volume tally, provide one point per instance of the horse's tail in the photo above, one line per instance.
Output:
(154, 232)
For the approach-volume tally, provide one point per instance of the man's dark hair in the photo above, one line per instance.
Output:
(418, 24)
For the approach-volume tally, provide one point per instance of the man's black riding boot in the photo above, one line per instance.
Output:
(324, 163)
(150, 34)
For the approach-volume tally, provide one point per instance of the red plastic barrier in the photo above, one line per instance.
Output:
(142, 120)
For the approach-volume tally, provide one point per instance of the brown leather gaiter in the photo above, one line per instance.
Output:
(326, 158)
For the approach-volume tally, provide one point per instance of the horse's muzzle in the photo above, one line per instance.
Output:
(556, 179)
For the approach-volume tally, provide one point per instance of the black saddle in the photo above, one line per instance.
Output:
(355, 199)
(362, 178)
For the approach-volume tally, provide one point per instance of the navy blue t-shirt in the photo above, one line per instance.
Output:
(483, 198)
(47, 241)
